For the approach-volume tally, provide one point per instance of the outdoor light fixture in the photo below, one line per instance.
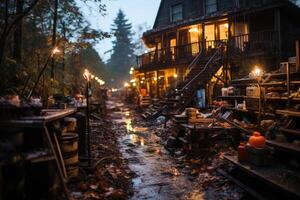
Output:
(194, 30)
(132, 81)
(155, 79)
(142, 82)
(130, 72)
(87, 75)
(55, 51)
(257, 72)
(175, 75)
(126, 84)
(226, 25)
(134, 84)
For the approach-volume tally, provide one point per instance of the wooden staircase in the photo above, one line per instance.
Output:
(201, 70)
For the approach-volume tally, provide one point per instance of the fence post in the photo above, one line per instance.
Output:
(297, 56)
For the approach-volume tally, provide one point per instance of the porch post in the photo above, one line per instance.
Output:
(277, 26)
(297, 56)
(157, 84)
(203, 37)
(228, 48)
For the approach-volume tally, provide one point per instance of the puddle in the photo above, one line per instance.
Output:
(156, 174)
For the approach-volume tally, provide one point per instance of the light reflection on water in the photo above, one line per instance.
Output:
(133, 132)
(157, 176)
(129, 127)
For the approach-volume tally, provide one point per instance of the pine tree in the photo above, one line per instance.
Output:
(122, 57)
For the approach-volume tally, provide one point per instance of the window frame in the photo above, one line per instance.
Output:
(211, 5)
(180, 12)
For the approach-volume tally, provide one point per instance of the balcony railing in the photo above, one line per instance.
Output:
(263, 41)
(169, 56)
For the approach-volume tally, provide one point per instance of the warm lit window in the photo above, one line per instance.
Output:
(211, 6)
(176, 13)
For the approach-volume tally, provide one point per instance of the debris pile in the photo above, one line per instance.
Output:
(110, 177)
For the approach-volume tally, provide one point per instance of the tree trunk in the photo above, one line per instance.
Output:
(18, 34)
(54, 36)
(3, 34)
(8, 27)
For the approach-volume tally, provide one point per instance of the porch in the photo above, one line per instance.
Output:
(252, 44)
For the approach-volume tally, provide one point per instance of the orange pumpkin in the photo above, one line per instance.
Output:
(257, 140)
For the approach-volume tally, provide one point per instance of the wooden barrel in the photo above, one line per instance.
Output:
(69, 148)
(70, 124)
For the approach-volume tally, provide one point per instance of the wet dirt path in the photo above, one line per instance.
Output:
(157, 174)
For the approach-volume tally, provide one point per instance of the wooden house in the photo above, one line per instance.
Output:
(205, 43)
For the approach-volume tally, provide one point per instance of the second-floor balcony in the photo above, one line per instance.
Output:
(257, 43)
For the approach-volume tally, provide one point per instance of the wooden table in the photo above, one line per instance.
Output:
(42, 122)
(200, 136)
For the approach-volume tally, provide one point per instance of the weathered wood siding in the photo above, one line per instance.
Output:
(196, 8)
(191, 8)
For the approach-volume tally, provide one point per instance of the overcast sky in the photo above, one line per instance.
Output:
(137, 11)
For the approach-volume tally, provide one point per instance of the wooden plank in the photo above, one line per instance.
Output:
(288, 112)
(275, 175)
(242, 185)
(57, 164)
(37, 121)
(248, 111)
(52, 115)
(60, 157)
(284, 146)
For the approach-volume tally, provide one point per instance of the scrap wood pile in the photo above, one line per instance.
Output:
(111, 179)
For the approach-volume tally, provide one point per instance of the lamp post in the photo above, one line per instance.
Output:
(257, 74)
(87, 77)
(51, 55)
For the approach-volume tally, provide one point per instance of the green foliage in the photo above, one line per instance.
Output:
(75, 39)
(92, 61)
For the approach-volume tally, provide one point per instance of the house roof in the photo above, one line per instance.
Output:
(212, 16)
(159, 10)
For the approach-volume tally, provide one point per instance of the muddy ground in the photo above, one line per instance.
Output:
(132, 163)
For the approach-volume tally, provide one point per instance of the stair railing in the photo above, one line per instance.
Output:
(212, 58)
(195, 60)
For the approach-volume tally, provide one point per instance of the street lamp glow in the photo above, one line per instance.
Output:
(126, 84)
(131, 69)
(130, 72)
(175, 75)
(87, 75)
(55, 51)
(257, 72)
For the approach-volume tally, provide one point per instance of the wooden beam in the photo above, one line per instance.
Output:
(219, 78)
(297, 56)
